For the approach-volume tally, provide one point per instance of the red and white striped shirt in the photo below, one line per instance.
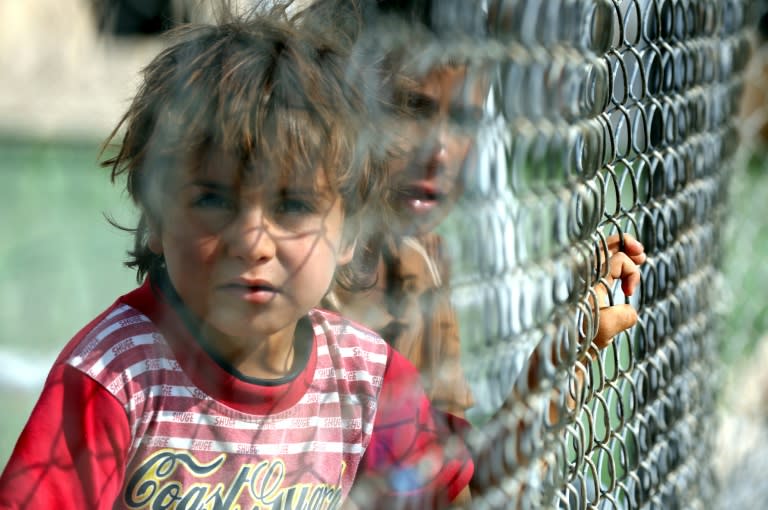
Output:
(148, 419)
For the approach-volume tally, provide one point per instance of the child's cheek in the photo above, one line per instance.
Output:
(209, 249)
(194, 249)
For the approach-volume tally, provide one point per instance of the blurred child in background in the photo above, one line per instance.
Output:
(439, 97)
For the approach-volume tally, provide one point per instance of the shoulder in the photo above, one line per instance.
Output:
(117, 330)
(121, 350)
(345, 332)
(120, 321)
(359, 357)
(348, 333)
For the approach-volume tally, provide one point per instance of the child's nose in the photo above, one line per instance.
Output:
(438, 154)
(251, 238)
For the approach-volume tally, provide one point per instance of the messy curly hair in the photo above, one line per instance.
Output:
(271, 90)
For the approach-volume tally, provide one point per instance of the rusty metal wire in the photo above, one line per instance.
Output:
(606, 116)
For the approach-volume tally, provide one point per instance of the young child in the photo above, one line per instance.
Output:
(442, 102)
(410, 305)
(217, 383)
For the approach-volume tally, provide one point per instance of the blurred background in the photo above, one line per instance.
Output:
(70, 67)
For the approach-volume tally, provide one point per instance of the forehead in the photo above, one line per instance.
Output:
(444, 78)
(227, 169)
(452, 83)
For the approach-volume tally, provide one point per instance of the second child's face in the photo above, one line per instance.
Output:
(428, 177)
(249, 259)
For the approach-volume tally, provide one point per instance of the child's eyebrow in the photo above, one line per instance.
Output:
(318, 195)
(299, 190)
(321, 193)
(214, 185)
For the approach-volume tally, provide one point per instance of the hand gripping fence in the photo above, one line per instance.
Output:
(604, 117)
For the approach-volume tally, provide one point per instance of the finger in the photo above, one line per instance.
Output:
(601, 297)
(614, 320)
(622, 267)
(631, 246)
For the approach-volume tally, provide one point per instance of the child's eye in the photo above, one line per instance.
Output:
(297, 214)
(211, 200)
(424, 109)
(467, 116)
(421, 106)
(294, 206)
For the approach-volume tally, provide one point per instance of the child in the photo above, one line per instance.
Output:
(216, 383)
(442, 102)
(410, 306)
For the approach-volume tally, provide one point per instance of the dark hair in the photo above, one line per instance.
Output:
(263, 89)
(407, 39)
(444, 18)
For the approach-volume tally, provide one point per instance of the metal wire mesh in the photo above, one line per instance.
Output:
(605, 117)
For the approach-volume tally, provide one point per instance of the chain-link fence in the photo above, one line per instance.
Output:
(605, 117)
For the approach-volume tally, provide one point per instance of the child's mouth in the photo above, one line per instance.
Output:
(421, 198)
(257, 293)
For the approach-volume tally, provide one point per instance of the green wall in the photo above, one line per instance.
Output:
(60, 262)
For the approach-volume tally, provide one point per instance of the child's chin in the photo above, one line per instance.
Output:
(233, 323)
(418, 224)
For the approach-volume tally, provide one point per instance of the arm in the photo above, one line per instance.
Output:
(623, 265)
(412, 460)
(72, 451)
(624, 258)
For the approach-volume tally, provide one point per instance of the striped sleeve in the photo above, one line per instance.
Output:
(72, 451)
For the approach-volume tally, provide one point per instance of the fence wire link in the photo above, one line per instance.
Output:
(605, 117)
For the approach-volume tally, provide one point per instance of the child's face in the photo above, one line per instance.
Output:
(248, 258)
(428, 178)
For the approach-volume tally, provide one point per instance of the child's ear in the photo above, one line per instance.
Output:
(347, 252)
